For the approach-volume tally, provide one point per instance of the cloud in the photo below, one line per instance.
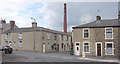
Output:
(77, 13)
(50, 14)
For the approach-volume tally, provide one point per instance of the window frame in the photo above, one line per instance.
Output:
(88, 33)
(20, 35)
(106, 33)
(48, 36)
(112, 48)
(6, 36)
(84, 46)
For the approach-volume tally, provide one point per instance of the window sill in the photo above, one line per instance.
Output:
(109, 38)
(109, 54)
(87, 52)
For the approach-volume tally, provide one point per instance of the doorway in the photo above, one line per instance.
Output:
(99, 49)
(77, 48)
(43, 48)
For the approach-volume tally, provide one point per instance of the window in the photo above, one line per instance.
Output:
(62, 45)
(85, 33)
(20, 35)
(67, 38)
(48, 36)
(6, 36)
(55, 37)
(20, 44)
(62, 37)
(109, 33)
(109, 48)
(86, 47)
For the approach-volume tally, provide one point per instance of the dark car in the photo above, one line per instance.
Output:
(6, 49)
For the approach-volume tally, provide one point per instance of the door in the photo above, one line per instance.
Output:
(77, 49)
(98, 49)
(43, 48)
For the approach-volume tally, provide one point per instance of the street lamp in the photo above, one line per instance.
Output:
(33, 19)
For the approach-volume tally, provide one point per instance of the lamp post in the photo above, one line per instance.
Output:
(34, 35)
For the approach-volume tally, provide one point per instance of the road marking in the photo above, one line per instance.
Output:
(99, 60)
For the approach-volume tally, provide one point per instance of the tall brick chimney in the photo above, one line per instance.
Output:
(65, 18)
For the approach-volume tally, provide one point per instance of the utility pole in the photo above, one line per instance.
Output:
(34, 35)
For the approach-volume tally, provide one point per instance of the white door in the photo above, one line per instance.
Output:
(43, 48)
(77, 49)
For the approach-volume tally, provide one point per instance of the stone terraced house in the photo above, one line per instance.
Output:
(38, 39)
(97, 38)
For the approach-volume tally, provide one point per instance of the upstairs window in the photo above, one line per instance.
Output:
(67, 38)
(62, 37)
(55, 37)
(48, 36)
(6, 36)
(20, 35)
(109, 33)
(85, 33)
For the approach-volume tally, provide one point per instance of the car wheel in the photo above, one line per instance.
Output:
(10, 50)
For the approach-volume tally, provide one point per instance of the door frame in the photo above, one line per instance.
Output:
(101, 48)
(43, 48)
(75, 47)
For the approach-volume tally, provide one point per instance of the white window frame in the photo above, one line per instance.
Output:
(112, 48)
(101, 48)
(112, 32)
(20, 44)
(88, 45)
(6, 36)
(48, 36)
(20, 35)
(88, 33)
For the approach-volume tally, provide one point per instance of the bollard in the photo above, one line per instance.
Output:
(83, 54)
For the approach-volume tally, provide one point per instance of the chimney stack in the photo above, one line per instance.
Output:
(34, 24)
(2, 21)
(65, 18)
(98, 18)
(12, 24)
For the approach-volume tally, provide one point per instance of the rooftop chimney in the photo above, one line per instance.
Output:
(34, 24)
(2, 21)
(65, 18)
(12, 24)
(98, 18)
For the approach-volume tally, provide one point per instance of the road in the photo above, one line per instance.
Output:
(26, 56)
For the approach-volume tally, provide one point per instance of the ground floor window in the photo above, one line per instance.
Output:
(86, 47)
(20, 44)
(109, 48)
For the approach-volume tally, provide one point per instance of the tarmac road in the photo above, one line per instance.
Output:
(26, 56)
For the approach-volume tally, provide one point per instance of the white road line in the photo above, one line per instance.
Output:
(99, 60)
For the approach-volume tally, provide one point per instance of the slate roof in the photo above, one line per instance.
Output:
(31, 29)
(101, 23)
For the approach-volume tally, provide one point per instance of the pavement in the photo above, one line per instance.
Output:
(27, 56)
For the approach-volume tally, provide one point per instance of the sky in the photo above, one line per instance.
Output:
(49, 14)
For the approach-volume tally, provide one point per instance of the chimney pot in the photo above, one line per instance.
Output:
(12, 24)
(34, 24)
(98, 18)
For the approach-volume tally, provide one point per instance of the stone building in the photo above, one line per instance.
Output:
(97, 38)
(6, 26)
(37, 39)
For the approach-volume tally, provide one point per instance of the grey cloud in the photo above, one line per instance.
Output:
(78, 10)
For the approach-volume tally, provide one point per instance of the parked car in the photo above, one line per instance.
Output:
(6, 49)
